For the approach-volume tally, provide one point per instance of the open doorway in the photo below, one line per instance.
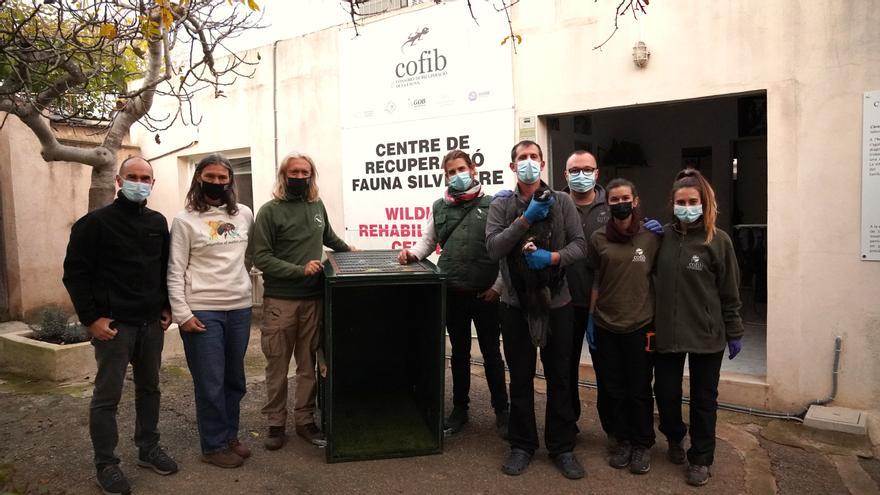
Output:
(725, 137)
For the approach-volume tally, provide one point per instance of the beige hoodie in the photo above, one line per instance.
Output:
(206, 264)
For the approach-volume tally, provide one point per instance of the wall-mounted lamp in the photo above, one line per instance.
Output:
(640, 54)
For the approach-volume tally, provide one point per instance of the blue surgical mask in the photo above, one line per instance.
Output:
(687, 214)
(528, 171)
(582, 181)
(137, 192)
(461, 181)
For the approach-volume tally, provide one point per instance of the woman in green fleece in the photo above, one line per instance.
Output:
(622, 255)
(290, 233)
(697, 316)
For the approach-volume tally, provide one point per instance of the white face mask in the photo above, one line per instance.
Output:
(582, 182)
(461, 181)
(687, 214)
(528, 171)
(136, 192)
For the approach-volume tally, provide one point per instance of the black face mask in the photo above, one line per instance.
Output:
(214, 191)
(296, 187)
(622, 211)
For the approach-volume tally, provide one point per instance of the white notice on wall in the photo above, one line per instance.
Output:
(871, 177)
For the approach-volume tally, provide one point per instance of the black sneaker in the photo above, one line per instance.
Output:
(569, 466)
(156, 459)
(456, 421)
(112, 481)
(675, 453)
(517, 461)
(502, 422)
(640, 461)
(621, 456)
(698, 475)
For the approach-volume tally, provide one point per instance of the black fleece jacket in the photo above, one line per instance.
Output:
(116, 263)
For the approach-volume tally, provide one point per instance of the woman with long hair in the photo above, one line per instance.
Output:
(697, 316)
(622, 254)
(210, 293)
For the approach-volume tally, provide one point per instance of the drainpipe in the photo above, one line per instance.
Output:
(275, 98)
(175, 150)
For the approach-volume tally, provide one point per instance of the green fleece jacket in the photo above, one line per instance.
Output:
(697, 288)
(623, 277)
(287, 235)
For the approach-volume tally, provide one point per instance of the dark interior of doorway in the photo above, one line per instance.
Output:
(725, 137)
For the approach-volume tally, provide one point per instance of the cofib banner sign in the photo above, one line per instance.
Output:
(413, 87)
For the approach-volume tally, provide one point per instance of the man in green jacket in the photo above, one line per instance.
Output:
(289, 235)
(458, 224)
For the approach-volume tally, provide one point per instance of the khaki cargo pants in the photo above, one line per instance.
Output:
(290, 328)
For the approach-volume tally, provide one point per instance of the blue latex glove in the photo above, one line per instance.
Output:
(539, 259)
(538, 210)
(504, 193)
(733, 347)
(591, 332)
(654, 226)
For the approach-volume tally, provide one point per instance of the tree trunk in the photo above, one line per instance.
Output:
(103, 187)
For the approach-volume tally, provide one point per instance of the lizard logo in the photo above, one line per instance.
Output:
(415, 37)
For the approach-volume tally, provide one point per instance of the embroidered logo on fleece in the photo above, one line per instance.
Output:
(218, 229)
(319, 220)
(695, 264)
(640, 257)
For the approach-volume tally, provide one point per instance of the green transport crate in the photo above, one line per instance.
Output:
(384, 346)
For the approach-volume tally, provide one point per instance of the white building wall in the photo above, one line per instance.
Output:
(814, 59)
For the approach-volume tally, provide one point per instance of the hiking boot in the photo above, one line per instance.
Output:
(275, 439)
(640, 461)
(621, 456)
(239, 448)
(225, 458)
(502, 422)
(569, 466)
(698, 475)
(156, 459)
(675, 453)
(517, 461)
(112, 481)
(456, 421)
(311, 433)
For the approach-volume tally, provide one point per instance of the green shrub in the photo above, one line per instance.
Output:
(54, 327)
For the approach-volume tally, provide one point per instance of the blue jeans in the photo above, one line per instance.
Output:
(216, 361)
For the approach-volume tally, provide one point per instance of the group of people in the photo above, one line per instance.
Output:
(543, 270)
(129, 278)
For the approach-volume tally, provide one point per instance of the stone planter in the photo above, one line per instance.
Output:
(22, 355)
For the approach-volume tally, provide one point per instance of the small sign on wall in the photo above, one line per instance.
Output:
(871, 177)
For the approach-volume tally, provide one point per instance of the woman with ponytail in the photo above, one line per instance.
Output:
(622, 255)
(697, 316)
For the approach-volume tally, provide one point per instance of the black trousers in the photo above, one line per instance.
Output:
(140, 345)
(627, 370)
(602, 402)
(705, 370)
(461, 309)
(560, 425)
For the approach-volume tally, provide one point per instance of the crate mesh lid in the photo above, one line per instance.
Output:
(364, 262)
